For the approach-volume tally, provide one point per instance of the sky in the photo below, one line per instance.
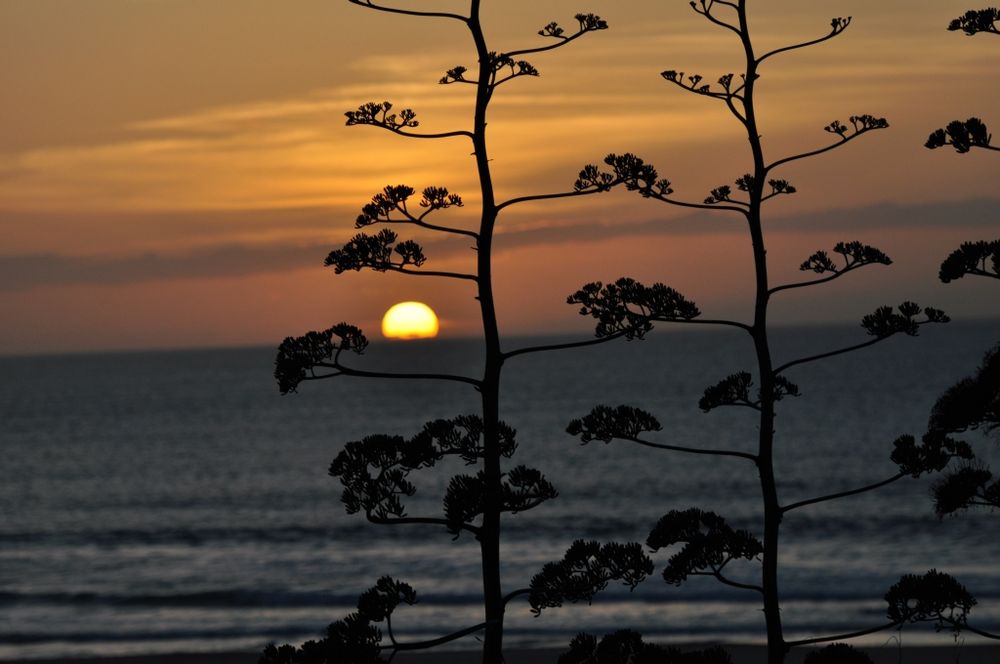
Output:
(174, 172)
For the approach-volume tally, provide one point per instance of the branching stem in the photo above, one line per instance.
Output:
(563, 346)
(842, 494)
(692, 450)
(342, 370)
(413, 520)
(409, 12)
(423, 645)
(840, 637)
(813, 153)
(831, 353)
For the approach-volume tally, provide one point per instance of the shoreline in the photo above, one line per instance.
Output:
(742, 654)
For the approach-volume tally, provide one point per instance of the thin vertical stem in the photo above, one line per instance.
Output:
(776, 647)
(489, 537)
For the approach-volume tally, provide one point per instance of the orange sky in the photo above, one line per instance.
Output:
(173, 172)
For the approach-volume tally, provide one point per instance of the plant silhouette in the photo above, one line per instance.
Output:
(973, 402)
(702, 543)
(375, 471)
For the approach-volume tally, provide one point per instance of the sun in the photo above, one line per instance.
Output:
(410, 320)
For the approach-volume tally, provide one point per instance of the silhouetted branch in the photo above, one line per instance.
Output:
(377, 114)
(394, 198)
(932, 597)
(729, 582)
(969, 486)
(976, 258)
(342, 370)
(747, 183)
(376, 252)
(546, 197)
(709, 543)
(837, 26)
(627, 307)
(563, 346)
(862, 124)
(588, 23)
(431, 643)
(409, 12)
(855, 255)
(881, 324)
(843, 494)
(989, 635)
(585, 570)
(692, 450)
(515, 594)
(523, 489)
(963, 136)
(502, 61)
(734, 390)
(972, 402)
(975, 21)
(639, 176)
(840, 637)
(626, 423)
(407, 520)
(706, 11)
(692, 83)
(932, 455)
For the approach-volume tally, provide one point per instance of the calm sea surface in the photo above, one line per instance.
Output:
(173, 501)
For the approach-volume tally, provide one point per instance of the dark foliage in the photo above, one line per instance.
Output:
(626, 169)
(963, 136)
(972, 402)
(605, 424)
(374, 113)
(394, 198)
(884, 322)
(709, 543)
(730, 391)
(353, 639)
(627, 647)
(932, 597)
(977, 20)
(375, 252)
(855, 254)
(629, 308)
(969, 486)
(299, 356)
(978, 258)
(859, 123)
(374, 470)
(378, 602)
(933, 454)
(522, 489)
(585, 570)
(838, 653)
(734, 390)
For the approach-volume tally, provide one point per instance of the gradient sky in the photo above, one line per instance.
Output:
(173, 172)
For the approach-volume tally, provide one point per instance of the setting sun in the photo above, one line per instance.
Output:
(409, 320)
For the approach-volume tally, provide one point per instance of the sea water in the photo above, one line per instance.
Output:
(174, 501)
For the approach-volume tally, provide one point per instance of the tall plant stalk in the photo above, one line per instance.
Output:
(483, 439)
(629, 308)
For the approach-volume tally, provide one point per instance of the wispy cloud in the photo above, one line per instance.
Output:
(23, 272)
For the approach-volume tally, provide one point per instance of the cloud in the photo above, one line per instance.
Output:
(35, 270)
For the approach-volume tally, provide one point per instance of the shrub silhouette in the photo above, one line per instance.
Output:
(702, 543)
(375, 471)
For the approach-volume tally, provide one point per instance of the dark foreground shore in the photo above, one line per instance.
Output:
(741, 655)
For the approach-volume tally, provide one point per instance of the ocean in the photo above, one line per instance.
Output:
(174, 501)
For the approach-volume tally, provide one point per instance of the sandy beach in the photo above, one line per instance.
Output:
(967, 654)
